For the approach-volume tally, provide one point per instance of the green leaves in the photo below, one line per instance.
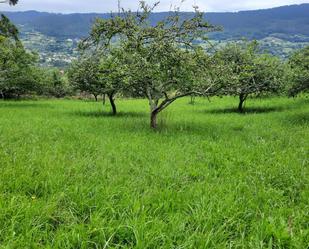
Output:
(251, 72)
(160, 62)
(7, 29)
(299, 64)
(17, 69)
(17, 66)
(84, 75)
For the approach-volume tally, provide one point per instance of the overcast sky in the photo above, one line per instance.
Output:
(101, 6)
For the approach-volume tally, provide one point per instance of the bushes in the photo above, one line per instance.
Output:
(54, 83)
(299, 63)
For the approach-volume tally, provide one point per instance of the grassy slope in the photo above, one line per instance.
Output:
(74, 178)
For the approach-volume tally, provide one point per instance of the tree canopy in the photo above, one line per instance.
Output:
(252, 73)
(100, 74)
(18, 74)
(299, 63)
(161, 58)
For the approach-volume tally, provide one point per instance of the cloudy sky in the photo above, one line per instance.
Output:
(70, 6)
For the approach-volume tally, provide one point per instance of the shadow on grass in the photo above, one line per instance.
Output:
(301, 119)
(249, 110)
(98, 114)
(23, 104)
(189, 128)
(137, 123)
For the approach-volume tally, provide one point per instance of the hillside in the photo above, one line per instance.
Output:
(280, 30)
(290, 22)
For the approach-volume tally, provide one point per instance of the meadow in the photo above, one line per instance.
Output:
(73, 176)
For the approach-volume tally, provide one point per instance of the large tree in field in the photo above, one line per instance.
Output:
(299, 63)
(251, 73)
(162, 60)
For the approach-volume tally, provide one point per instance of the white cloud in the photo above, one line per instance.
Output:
(69, 6)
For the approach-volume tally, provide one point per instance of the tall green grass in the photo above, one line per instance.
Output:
(72, 176)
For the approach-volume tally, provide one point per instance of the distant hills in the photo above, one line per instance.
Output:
(287, 22)
(279, 31)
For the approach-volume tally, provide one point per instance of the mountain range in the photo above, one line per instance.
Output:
(54, 36)
(289, 22)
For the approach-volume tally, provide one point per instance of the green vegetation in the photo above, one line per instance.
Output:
(74, 177)
(299, 63)
(54, 83)
(251, 73)
(18, 71)
(100, 75)
(162, 63)
(207, 175)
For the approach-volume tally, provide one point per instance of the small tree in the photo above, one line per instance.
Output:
(251, 73)
(54, 83)
(84, 76)
(99, 75)
(112, 74)
(299, 63)
(161, 59)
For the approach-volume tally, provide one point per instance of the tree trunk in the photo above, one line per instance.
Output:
(192, 101)
(113, 105)
(96, 97)
(242, 99)
(156, 108)
(153, 120)
(104, 99)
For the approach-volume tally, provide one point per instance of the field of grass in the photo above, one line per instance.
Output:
(74, 177)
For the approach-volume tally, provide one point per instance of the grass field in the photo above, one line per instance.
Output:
(74, 177)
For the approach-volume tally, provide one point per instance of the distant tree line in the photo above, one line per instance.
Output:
(127, 56)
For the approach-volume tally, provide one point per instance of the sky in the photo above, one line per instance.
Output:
(103, 6)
